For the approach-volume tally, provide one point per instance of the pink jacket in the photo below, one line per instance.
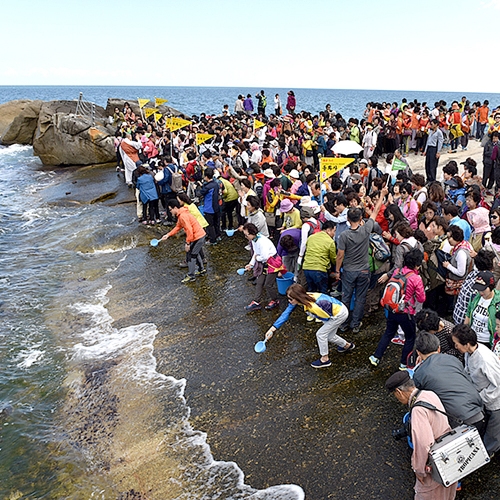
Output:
(410, 209)
(415, 291)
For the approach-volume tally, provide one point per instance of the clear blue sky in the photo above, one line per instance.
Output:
(385, 44)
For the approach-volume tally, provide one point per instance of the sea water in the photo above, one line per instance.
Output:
(83, 411)
(210, 100)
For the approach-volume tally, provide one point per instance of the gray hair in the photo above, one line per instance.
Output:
(426, 343)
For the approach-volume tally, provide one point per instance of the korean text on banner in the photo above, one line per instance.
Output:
(329, 166)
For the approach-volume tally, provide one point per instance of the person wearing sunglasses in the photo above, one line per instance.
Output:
(324, 309)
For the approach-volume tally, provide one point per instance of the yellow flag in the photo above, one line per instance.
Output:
(142, 102)
(159, 102)
(157, 116)
(176, 123)
(257, 124)
(328, 166)
(149, 111)
(201, 138)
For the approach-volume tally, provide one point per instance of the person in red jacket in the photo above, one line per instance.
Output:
(195, 237)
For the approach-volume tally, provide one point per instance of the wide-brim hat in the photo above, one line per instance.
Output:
(294, 174)
(286, 205)
(269, 173)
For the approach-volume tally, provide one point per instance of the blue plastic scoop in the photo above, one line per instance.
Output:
(154, 242)
(241, 271)
(260, 346)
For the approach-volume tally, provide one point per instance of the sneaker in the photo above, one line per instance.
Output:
(398, 341)
(357, 328)
(310, 318)
(344, 328)
(183, 265)
(272, 305)
(201, 273)
(247, 247)
(317, 320)
(346, 349)
(253, 306)
(188, 279)
(402, 367)
(374, 361)
(321, 364)
(118, 168)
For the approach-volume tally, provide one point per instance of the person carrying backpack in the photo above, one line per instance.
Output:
(169, 180)
(403, 294)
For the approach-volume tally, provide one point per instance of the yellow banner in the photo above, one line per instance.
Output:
(257, 124)
(159, 102)
(157, 116)
(149, 111)
(142, 102)
(201, 138)
(328, 166)
(176, 123)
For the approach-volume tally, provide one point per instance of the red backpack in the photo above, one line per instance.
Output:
(393, 298)
(315, 228)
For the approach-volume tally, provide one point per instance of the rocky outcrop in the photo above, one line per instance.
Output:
(22, 126)
(62, 138)
(119, 103)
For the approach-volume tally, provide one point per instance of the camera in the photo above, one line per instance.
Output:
(399, 434)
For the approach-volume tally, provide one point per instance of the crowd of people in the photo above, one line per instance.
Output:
(426, 249)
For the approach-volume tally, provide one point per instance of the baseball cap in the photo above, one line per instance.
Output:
(484, 280)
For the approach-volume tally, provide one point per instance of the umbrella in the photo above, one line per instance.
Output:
(347, 148)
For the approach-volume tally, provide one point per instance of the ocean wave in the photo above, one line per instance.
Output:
(147, 411)
(15, 149)
(28, 357)
(110, 249)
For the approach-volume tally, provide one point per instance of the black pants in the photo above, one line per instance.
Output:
(488, 175)
(213, 228)
(431, 163)
(151, 208)
(227, 214)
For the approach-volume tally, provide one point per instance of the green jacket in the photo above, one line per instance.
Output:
(492, 309)
(320, 252)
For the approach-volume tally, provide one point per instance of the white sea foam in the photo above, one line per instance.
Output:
(14, 149)
(135, 344)
(28, 357)
(106, 250)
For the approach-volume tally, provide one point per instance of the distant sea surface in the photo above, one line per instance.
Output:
(210, 100)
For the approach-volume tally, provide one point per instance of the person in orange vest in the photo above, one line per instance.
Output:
(455, 126)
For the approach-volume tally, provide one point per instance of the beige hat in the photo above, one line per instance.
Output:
(269, 173)
(294, 173)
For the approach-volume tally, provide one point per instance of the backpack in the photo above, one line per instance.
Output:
(316, 228)
(176, 180)
(393, 298)
(380, 249)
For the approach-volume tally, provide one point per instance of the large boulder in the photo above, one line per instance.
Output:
(22, 128)
(119, 103)
(63, 138)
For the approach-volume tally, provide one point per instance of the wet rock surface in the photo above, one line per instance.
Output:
(280, 420)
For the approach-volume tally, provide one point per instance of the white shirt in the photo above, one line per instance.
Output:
(480, 320)
(263, 248)
(484, 368)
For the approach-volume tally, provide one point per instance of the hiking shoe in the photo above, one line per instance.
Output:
(356, 329)
(201, 273)
(374, 361)
(188, 279)
(346, 349)
(310, 318)
(253, 306)
(398, 341)
(272, 305)
(321, 364)
(402, 368)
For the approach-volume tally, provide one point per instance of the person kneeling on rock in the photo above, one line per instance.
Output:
(325, 309)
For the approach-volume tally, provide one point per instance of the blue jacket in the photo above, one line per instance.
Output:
(147, 188)
(210, 194)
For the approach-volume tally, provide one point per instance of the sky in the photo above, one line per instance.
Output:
(442, 45)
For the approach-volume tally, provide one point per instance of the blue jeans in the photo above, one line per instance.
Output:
(359, 281)
(317, 281)
(394, 320)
